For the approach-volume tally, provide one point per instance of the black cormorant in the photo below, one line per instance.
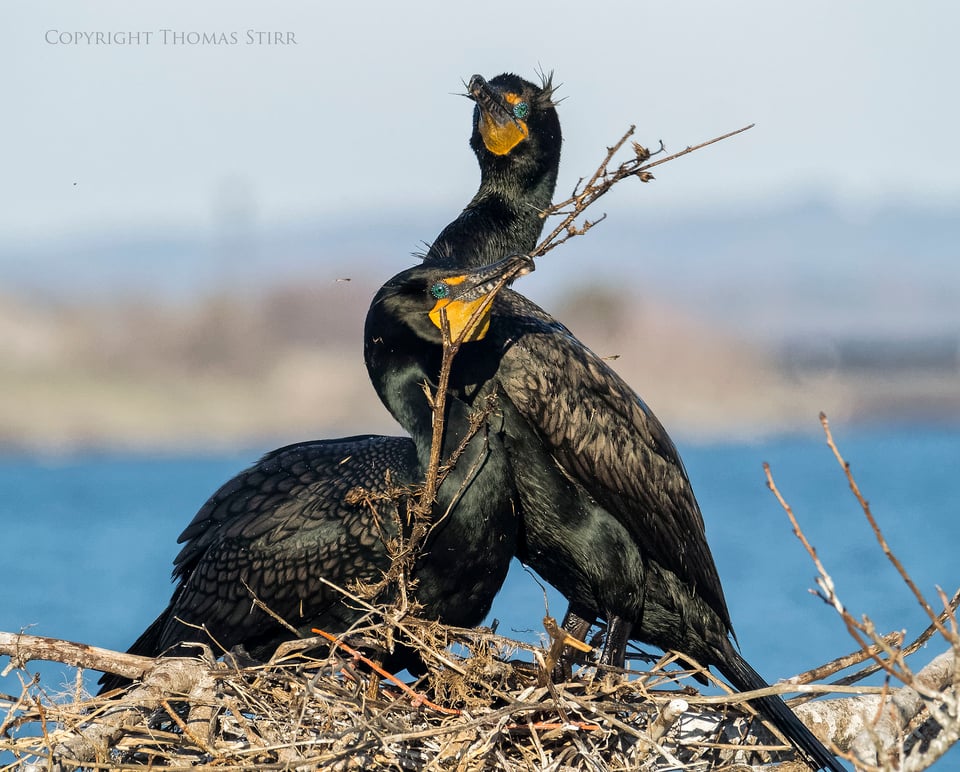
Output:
(274, 529)
(608, 513)
(291, 484)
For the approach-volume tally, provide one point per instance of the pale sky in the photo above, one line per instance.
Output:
(854, 102)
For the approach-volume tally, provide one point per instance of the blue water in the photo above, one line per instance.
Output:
(87, 542)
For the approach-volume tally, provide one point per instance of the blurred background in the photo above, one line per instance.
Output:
(196, 214)
(184, 205)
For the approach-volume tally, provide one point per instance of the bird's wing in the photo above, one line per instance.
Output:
(605, 438)
(286, 520)
(294, 487)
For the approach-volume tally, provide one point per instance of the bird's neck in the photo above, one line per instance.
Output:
(503, 217)
(398, 377)
(531, 189)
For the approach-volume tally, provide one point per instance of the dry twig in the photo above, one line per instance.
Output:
(883, 731)
(305, 712)
(602, 180)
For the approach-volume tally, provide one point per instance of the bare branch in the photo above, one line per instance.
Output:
(948, 616)
(846, 661)
(934, 618)
(23, 648)
(601, 181)
(880, 732)
(428, 495)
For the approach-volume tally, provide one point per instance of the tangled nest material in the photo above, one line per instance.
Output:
(485, 702)
(482, 704)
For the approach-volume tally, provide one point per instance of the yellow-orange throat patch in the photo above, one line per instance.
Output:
(501, 139)
(458, 317)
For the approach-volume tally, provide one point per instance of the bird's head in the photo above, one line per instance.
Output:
(514, 117)
(427, 297)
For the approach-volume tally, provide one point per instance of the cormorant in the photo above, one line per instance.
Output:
(274, 529)
(608, 515)
(294, 483)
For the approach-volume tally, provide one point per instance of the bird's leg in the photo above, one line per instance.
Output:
(615, 645)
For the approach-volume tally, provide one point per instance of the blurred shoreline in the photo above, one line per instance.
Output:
(248, 370)
(734, 324)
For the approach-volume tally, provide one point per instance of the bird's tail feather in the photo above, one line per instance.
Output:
(738, 671)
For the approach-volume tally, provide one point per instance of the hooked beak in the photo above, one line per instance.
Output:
(500, 130)
(483, 281)
(468, 306)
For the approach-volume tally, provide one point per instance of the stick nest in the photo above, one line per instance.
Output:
(482, 704)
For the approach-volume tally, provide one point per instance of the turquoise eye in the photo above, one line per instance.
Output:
(520, 110)
(440, 290)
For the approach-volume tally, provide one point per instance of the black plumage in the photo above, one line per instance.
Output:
(273, 525)
(608, 513)
(519, 159)
(275, 529)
